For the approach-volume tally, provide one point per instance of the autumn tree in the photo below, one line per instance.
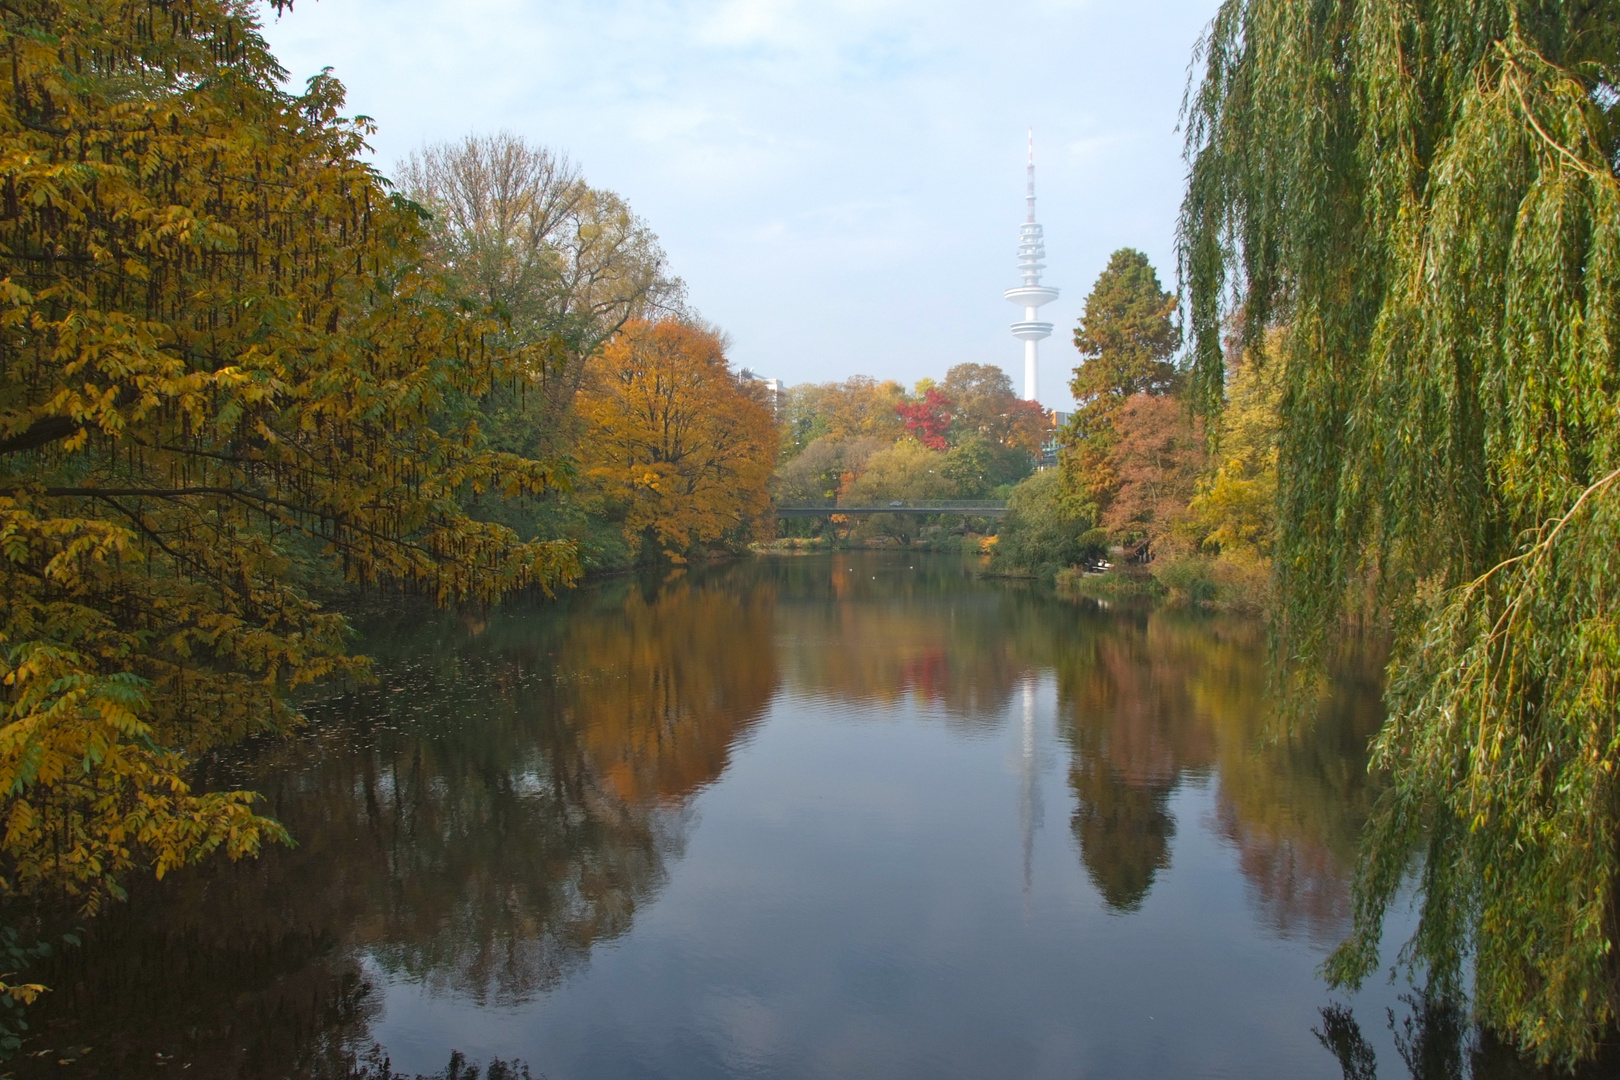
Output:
(1045, 526)
(826, 469)
(977, 467)
(221, 367)
(516, 227)
(859, 407)
(1235, 508)
(1425, 198)
(928, 418)
(677, 449)
(1126, 337)
(1156, 458)
(987, 406)
(908, 471)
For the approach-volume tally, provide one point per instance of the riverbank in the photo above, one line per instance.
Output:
(1219, 583)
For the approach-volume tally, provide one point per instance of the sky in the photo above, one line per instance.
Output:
(839, 182)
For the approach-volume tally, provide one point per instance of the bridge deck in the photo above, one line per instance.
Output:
(955, 508)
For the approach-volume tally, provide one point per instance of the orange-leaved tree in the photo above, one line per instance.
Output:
(675, 446)
(223, 374)
(1157, 454)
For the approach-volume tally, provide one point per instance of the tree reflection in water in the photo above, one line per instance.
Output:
(1151, 700)
(1436, 1041)
(502, 801)
(514, 790)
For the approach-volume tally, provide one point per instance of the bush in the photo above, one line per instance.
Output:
(1234, 582)
(1043, 527)
(1186, 578)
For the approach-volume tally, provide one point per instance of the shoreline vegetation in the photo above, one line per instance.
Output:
(1131, 495)
(247, 378)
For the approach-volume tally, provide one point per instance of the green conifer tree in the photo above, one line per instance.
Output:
(1126, 338)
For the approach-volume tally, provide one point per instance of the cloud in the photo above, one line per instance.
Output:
(801, 157)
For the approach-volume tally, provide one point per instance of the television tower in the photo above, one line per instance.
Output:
(1031, 294)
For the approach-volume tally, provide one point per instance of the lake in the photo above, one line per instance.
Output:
(838, 815)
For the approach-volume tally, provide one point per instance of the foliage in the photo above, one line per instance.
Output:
(16, 997)
(1235, 507)
(1156, 458)
(675, 448)
(1426, 197)
(1187, 578)
(1126, 338)
(981, 443)
(859, 407)
(1043, 526)
(907, 470)
(1517, 667)
(987, 408)
(825, 469)
(977, 467)
(928, 419)
(515, 227)
(220, 364)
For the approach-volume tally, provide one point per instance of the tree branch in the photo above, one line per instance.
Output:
(40, 432)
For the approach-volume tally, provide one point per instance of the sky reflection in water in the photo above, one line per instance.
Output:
(828, 816)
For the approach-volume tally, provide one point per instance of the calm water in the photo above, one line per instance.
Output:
(831, 816)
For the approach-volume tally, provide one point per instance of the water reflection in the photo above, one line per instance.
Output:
(1165, 696)
(1435, 1040)
(503, 801)
(520, 786)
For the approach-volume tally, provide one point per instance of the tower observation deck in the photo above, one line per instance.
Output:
(1031, 294)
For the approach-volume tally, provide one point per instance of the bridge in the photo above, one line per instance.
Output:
(956, 507)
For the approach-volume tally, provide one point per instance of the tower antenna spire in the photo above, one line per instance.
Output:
(1029, 194)
(1031, 294)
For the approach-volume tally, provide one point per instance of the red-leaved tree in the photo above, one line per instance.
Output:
(928, 419)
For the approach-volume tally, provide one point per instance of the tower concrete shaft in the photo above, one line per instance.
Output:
(1031, 295)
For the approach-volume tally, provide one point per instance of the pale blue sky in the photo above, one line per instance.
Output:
(840, 182)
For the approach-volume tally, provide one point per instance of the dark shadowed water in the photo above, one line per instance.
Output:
(829, 816)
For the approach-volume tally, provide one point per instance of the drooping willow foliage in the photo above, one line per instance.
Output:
(1422, 196)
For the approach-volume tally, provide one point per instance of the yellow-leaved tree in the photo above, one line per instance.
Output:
(676, 447)
(221, 371)
(1236, 504)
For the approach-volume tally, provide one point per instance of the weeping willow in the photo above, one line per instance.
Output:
(1421, 195)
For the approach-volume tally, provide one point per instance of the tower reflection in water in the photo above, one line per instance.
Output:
(515, 790)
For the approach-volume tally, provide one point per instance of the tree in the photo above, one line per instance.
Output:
(986, 406)
(679, 451)
(908, 471)
(979, 392)
(825, 468)
(567, 265)
(927, 420)
(1235, 507)
(1126, 338)
(859, 407)
(1043, 526)
(1157, 456)
(222, 368)
(976, 466)
(1425, 197)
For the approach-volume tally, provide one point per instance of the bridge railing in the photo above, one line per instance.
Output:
(901, 506)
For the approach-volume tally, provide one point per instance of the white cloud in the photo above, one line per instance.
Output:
(839, 181)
